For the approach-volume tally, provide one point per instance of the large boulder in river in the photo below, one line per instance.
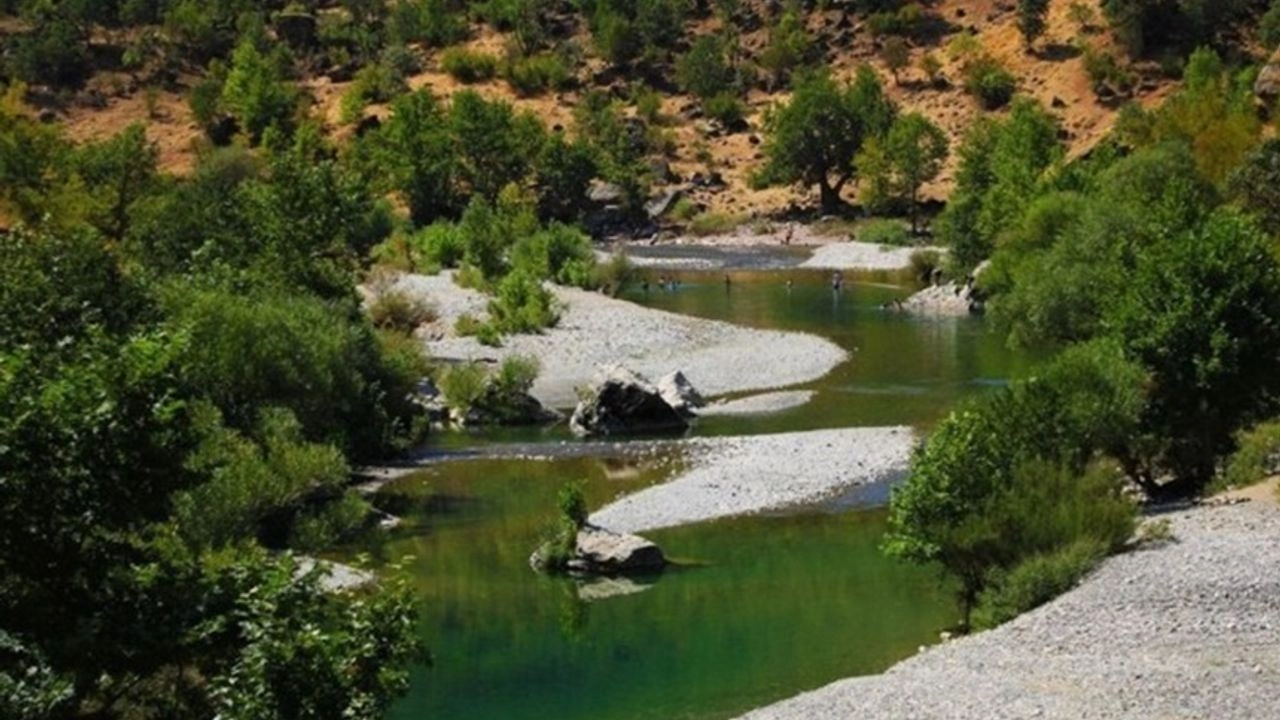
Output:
(622, 402)
(598, 551)
(680, 393)
(605, 552)
(1267, 86)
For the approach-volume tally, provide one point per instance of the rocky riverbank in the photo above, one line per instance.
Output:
(595, 330)
(1187, 629)
(763, 473)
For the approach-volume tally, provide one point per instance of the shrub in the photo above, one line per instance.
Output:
(988, 81)
(437, 23)
(516, 374)
(883, 231)
(923, 265)
(439, 245)
(1257, 456)
(330, 523)
(1035, 581)
(726, 109)
(400, 310)
(704, 71)
(560, 539)
(648, 104)
(614, 275)
(522, 305)
(713, 223)
(536, 74)
(463, 385)
(374, 83)
(468, 66)
(559, 253)
(1104, 69)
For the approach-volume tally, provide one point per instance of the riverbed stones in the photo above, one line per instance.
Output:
(620, 401)
(680, 394)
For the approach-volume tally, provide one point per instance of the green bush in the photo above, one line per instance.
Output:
(559, 253)
(1035, 581)
(330, 523)
(704, 70)
(725, 108)
(883, 231)
(439, 245)
(468, 66)
(988, 81)
(531, 75)
(1269, 27)
(437, 23)
(256, 93)
(522, 305)
(463, 385)
(1256, 458)
(401, 311)
(376, 83)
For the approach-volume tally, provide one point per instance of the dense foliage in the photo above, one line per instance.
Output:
(185, 374)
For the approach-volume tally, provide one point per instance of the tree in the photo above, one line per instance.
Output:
(1031, 19)
(813, 139)
(255, 93)
(975, 499)
(1002, 164)
(416, 151)
(896, 55)
(704, 71)
(916, 149)
(1201, 311)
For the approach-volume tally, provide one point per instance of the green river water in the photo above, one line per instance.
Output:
(759, 608)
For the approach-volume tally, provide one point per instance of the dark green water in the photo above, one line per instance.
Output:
(767, 607)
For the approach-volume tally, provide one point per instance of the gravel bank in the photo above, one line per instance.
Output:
(854, 255)
(758, 404)
(759, 473)
(595, 330)
(1190, 629)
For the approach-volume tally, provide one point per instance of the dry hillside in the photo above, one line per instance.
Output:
(1054, 74)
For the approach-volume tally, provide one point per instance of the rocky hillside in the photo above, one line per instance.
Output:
(1074, 67)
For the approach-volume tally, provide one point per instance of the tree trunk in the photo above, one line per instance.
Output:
(829, 197)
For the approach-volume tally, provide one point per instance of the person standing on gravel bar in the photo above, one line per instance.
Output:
(786, 239)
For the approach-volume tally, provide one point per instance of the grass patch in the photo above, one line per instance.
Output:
(468, 66)
(714, 223)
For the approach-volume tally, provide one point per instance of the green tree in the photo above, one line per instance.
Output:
(704, 71)
(976, 499)
(1031, 19)
(1200, 311)
(813, 139)
(119, 172)
(914, 150)
(256, 94)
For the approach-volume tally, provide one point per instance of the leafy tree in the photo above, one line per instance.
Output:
(119, 172)
(813, 139)
(1031, 19)
(416, 149)
(704, 71)
(1002, 163)
(976, 499)
(563, 171)
(255, 93)
(493, 145)
(1200, 312)
(913, 151)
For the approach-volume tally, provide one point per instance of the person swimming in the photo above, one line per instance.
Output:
(837, 280)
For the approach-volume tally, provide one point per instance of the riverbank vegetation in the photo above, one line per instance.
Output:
(1158, 286)
(186, 375)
